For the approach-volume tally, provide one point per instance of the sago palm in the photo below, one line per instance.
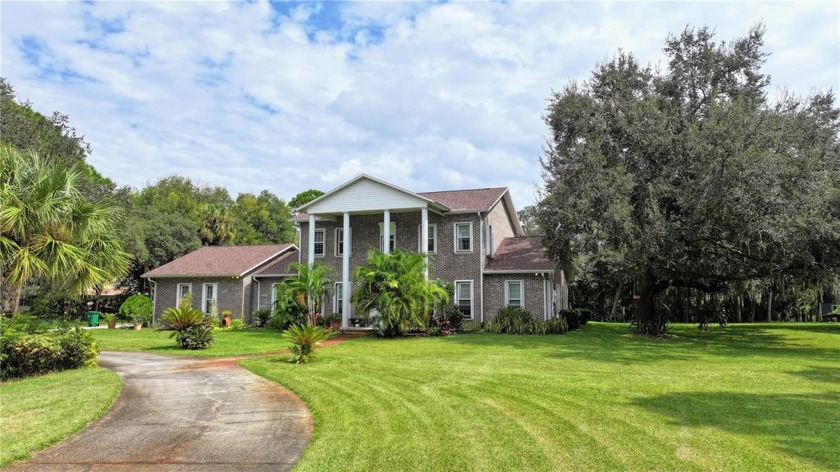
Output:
(49, 230)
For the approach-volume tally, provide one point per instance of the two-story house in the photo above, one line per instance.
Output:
(473, 239)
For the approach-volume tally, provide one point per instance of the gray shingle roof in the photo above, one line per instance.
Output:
(219, 261)
(523, 254)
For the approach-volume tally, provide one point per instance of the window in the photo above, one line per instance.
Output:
(463, 237)
(490, 240)
(393, 244)
(339, 241)
(513, 293)
(463, 297)
(338, 298)
(319, 242)
(274, 287)
(208, 302)
(183, 289)
(431, 243)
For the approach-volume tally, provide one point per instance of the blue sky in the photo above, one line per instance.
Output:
(295, 95)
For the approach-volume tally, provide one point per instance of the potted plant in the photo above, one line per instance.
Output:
(138, 309)
(335, 321)
(111, 319)
(227, 315)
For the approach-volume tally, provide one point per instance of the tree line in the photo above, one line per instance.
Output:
(148, 227)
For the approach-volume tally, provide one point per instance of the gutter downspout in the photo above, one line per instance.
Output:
(259, 286)
(481, 264)
(154, 298)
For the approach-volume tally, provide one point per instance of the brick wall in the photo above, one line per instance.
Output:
(229, 293)
(494, 293)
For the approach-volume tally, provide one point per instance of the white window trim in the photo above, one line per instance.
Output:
(178, 293)
(338, 287)
(204, 296)
(338, 240)
(324, 244)
(382, 236)
(521, 292)
(472, 297)
(455, 237)
(434, 239)
(274, 295)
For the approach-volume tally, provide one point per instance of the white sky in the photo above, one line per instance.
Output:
(293, 96)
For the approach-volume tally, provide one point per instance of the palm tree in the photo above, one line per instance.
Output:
(307, 288)
(49, 230)
(217, 226)
(394, 285)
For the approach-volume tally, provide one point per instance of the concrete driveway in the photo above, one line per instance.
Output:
(184, 414)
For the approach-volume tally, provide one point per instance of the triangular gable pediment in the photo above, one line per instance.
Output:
(365, 193)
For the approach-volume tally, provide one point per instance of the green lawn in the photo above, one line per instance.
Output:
(40, 411)
(750, 397)
(227, 342)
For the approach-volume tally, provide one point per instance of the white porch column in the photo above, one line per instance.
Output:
(345, 274)
(311, 259)
(386, 232)
(424, 240)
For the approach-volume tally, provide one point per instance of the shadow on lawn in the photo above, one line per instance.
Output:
(612, 342)
(820, 374)
(805, 426)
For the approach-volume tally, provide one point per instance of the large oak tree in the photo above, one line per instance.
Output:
(689, 174)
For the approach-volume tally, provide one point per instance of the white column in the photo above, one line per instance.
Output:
(311, 259)
(345, 274)
(386, 232)
(424, 240)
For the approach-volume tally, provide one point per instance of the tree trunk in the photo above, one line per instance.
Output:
(770, 307)
(738, 303)
(11, 298)
(616, 297)
(649, 321)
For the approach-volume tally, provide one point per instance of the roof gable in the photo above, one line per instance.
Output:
(220, 261)
(366, 193)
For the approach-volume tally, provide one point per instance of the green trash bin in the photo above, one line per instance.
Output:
(93, 318)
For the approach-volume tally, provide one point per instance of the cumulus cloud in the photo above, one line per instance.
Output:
(289, 96)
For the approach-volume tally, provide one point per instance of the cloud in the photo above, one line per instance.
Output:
(295, 95)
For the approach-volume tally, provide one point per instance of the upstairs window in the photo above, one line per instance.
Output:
(431, 243)
(320, 236)
(393, 244)
(463, 237)
(339, 241)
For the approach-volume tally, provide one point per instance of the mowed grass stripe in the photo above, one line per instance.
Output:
(751, 397)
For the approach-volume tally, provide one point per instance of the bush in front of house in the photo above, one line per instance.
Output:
(262, 316)
(137, 308)
(516, 320)
(24, 353)
(189, 327)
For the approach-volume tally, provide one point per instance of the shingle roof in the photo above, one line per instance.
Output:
(480, 199)
(280, 266)
(523, 254)
(219, 261)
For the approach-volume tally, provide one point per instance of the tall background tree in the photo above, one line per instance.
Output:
(689, 176)
(304, 197)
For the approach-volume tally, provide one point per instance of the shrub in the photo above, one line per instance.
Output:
(515, 320)
(137, 308)
(262, 316)
(189, 327)
(25, 354)
(455, 317)
(470, 325)
(439, 326)
(576, 318)
(303, 341)
(237, 323)
(186, 301)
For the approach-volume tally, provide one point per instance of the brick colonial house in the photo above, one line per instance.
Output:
(472, 238)
(234, 277)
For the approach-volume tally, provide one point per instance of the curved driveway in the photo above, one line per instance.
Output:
(185, 414)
